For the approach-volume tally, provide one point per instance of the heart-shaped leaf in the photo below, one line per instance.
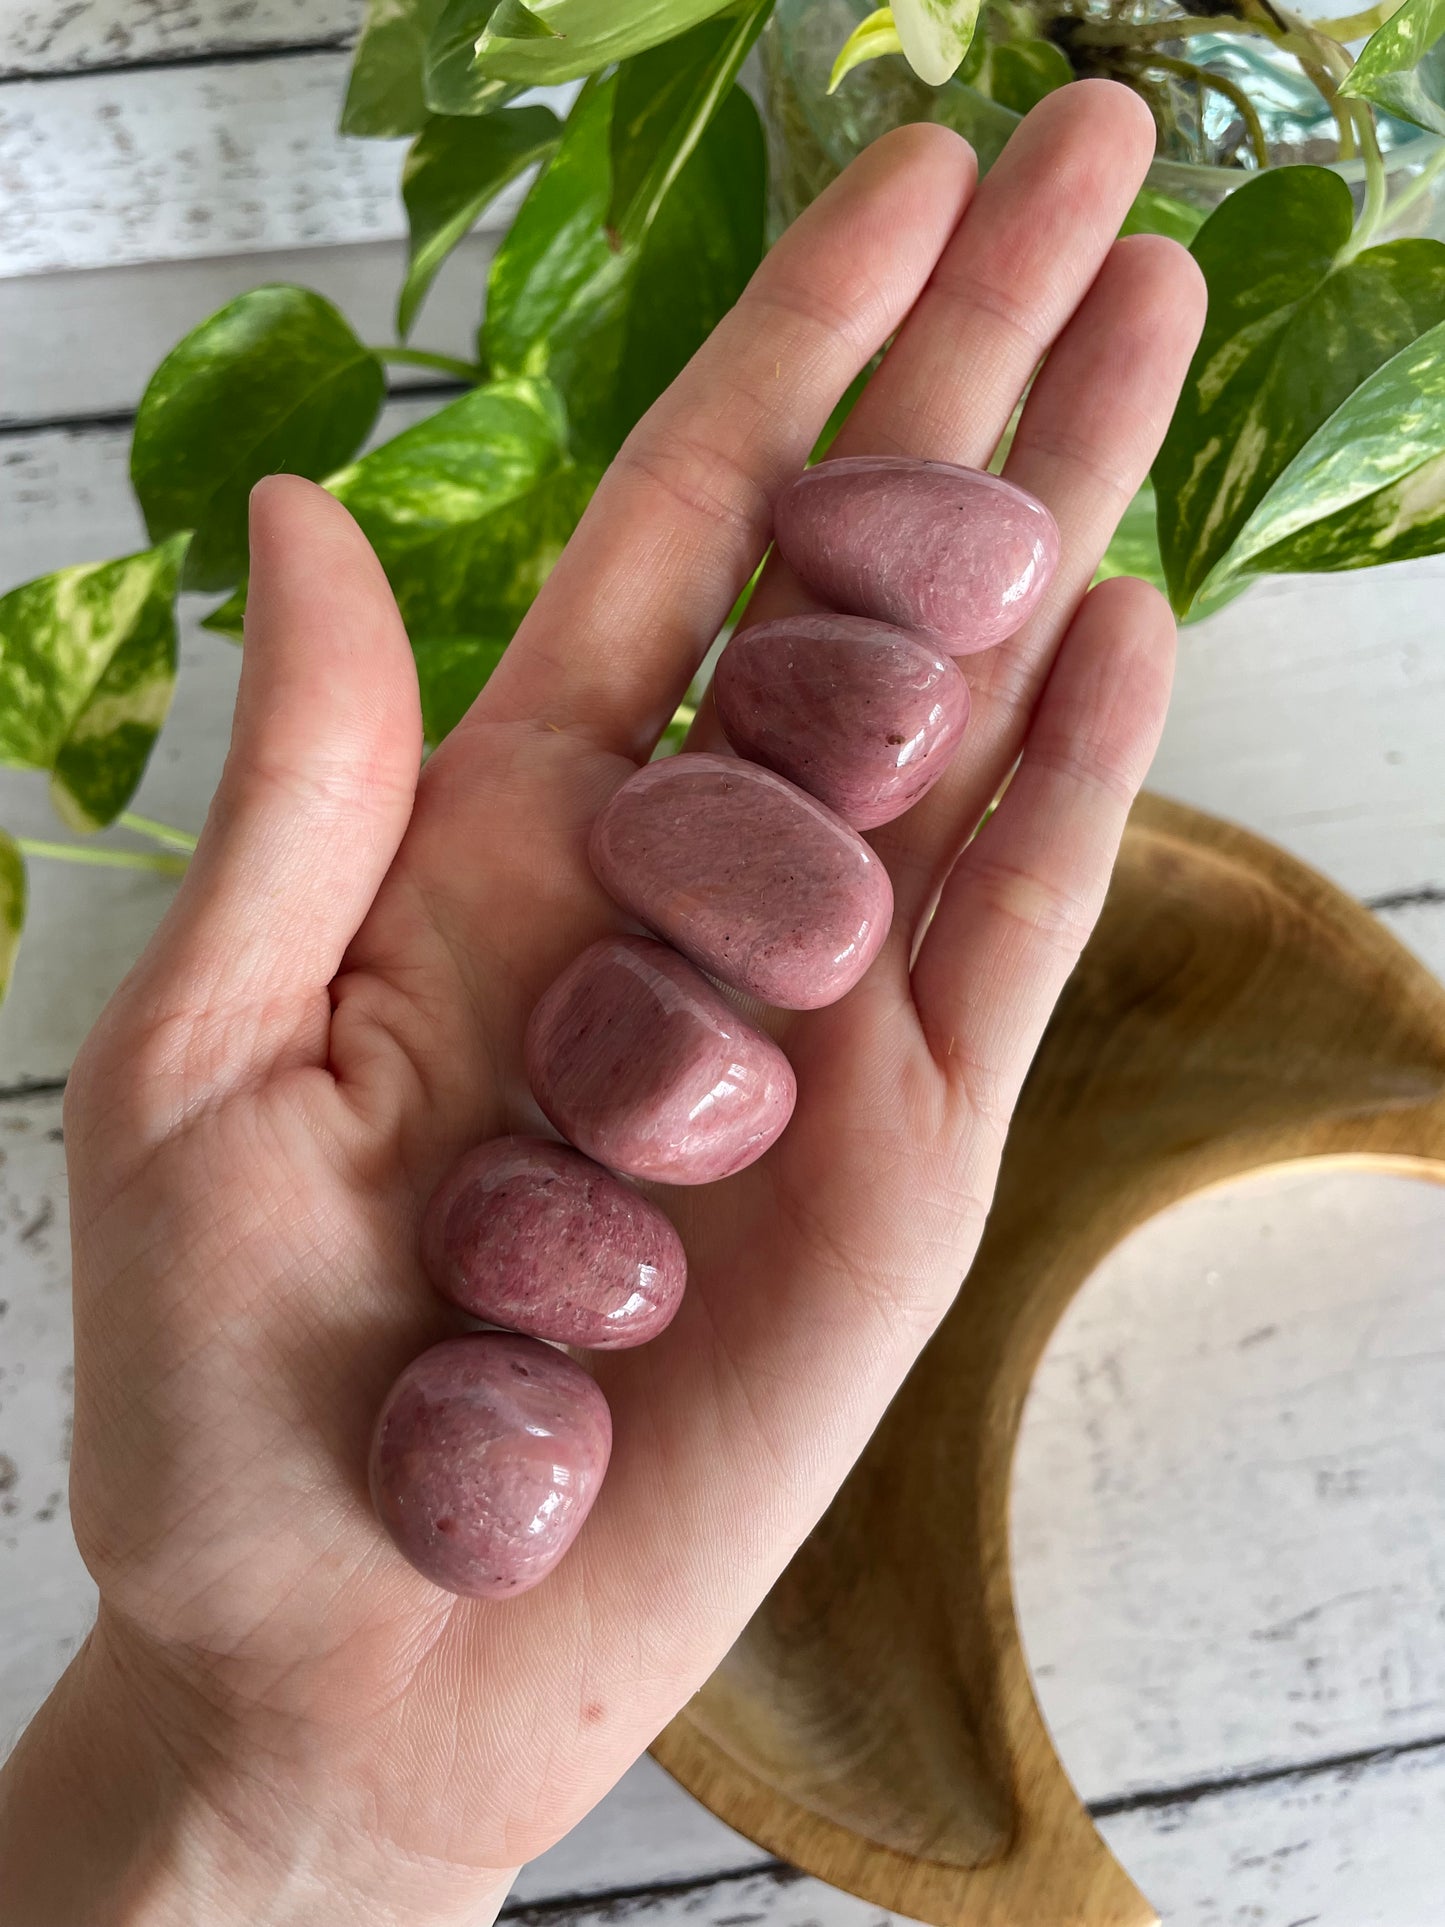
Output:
(12, 907)
(452, 671)
(1021, 72)
(455, 168)
(874, 36)
(469, 509)
(386, 92)
(1401, 67)
(1369, 485)
(275, 381)
(1296, 324)
(611, 323)
(477, 43)
(665, 99)
(87, 664)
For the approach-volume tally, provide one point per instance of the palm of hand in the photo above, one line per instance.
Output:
(336, 1004)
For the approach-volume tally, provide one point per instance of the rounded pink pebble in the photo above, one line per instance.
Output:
(644, 1066)
(536, 1237)
(956, 554)
(859, 714)
(487, 1456)
(747, 874)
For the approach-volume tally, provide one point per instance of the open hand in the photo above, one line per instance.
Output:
(276, 1719)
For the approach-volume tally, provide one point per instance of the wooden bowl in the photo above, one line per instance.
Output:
(875, 1724)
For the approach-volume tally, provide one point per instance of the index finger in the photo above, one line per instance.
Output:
(683, 515)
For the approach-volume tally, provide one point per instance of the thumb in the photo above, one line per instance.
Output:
(314, 799)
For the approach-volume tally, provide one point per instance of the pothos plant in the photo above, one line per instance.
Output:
(1310, 435)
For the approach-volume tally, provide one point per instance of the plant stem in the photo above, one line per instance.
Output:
(1373, 210)
(1421, 184)
(1235, 95)
(470, 371)
(168, 837)
(102, 859)
(1356, 26)
(1144, 33)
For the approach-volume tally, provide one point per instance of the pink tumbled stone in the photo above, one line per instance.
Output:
(536, 1237)
(859, 714)
(958, 555)
(487, 1456)
(747, 874)
(639, 1061)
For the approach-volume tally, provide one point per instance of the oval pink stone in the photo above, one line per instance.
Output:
(486, 1458)
(959, 555)
(747, 874)
(536, 1237)
(639, 1061)
(859, 714)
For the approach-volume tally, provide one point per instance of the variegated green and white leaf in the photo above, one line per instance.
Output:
(1369, 485)
(275, 380)
(99, 765)
(469, 509)
(478, 45)
(12, 906)
(59, 637)
(1401, 67)
(451, 672)
(1294, 327)
(874, 36)
(936, 34)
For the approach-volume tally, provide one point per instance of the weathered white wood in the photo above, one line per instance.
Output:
(46, 1598)
(44, 37)
(101, 169)
(79, 345)
(1229, 1517)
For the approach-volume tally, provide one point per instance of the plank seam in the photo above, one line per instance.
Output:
(1192, 1791)
(1428, 893)
(616, 1899)
(31, 1087)
(14, 428)
(164, 63)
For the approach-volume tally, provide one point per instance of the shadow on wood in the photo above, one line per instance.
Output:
(876, 1724)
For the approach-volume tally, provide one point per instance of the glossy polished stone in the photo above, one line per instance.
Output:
(861, 715)
(960, 556)
(487, 1456)
(534, 1236)
(746, 874)
(640, 1062)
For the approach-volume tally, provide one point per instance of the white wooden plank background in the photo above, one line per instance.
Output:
(61, 36)
(1232, 1478)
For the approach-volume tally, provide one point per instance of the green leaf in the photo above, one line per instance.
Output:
(665, 99)
(469, 509)
(1294, 327)
(1134, 550)
(229, 619)
(87, 661)
(936, 35)
(386, 94)
(452, 671)
(276, 380)
(1157, 213)
(612, 323)
(1369, 485)
(874, 36)
(454, 169)
(1401, 67)
(1021, 72)
(478, 43)
(12, 907)
(98, 767)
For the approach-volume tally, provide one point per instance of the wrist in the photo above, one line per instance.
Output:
(115, 1813)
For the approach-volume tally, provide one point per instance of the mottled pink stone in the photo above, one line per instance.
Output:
(958, 555)
(645, 1067)
(487, 1456)
(747, 874)
(536, 1237)
(859, 714)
